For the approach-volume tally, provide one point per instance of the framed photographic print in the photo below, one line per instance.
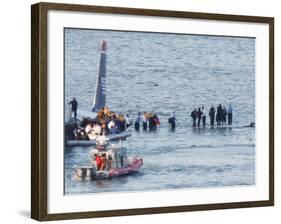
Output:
(141, 111)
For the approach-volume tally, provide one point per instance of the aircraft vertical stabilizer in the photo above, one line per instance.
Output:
(100, 95)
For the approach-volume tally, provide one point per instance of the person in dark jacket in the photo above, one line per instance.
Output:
(155, 121)
(219, 115)
(199, 115)
(74, 106)
(212, 115)
(120, 124)
(203, 116)
(152, 122)
(224, 114)
(229, 114)
(194, 116)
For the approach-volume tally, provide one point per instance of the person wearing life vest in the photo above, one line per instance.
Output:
(100, 157)
(98, 162)
(103, 162)
(153, 122)
(157, 121)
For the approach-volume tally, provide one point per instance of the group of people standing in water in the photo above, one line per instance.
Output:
(149, 121)
(221, 115)
(108, 122)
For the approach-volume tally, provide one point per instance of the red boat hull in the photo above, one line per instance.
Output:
(131, 168)
(90, 173)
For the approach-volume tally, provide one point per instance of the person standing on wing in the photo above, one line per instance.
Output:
(74, 106)
(224, 114)
(128, 121)
(219, 115)
(203, 116)
(137, 122)
(144, 121)
(212, 115)
(172, 121)
(199, 115)
(194, 116)
(229, 114)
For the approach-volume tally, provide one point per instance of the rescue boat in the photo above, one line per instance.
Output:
(108, 161)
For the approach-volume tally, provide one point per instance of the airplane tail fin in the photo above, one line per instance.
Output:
(100, 95)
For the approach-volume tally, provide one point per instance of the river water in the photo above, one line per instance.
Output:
(164, 73)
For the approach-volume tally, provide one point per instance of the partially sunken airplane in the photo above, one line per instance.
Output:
(100, 97)
(98, 103)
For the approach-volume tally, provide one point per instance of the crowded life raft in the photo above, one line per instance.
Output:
(108, 161)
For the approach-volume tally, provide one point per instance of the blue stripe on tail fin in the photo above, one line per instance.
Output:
(100, 96)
